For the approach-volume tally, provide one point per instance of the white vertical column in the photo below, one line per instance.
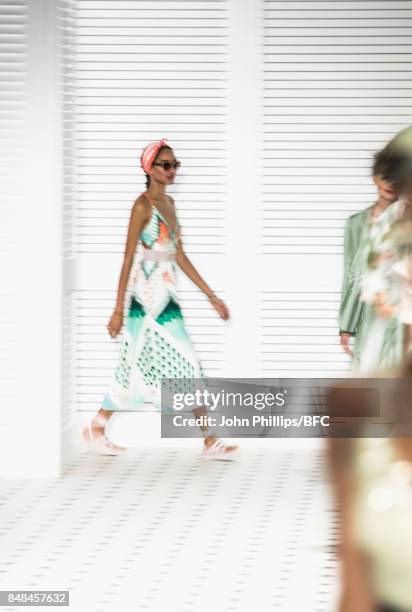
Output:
(13, 80)
(37, 444)
(244, 146)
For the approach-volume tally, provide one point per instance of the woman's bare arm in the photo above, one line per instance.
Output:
(138, 217)
(189, 269)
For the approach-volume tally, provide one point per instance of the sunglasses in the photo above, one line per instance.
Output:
(166, 165)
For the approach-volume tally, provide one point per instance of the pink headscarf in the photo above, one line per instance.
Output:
(149, 153)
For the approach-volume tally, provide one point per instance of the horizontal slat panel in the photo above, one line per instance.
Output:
(176, 5)
(148, 24)
(154, 37)
(66, 49)
(13, 107)
(341, 32)
(147, 70)
(165, 52)
(303, 38)
(299, 334)
(127, 54)
(344, 24)
(335, 89)
(337, 5)
(123, 102)
(347, 85)
(179, 77)
(137, 10)
(342, 11)
(342, 68)
(369, 58)
(337, 51)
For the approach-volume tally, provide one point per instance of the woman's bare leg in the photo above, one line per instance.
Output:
(209, 438)
(94, 434)
(100, 420)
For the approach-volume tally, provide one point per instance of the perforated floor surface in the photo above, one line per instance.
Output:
(161, 530)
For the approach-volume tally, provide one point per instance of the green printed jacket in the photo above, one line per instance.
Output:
(351, 308)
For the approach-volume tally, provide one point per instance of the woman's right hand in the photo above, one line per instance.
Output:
(115, 324)
(344, 342)
(219, 306)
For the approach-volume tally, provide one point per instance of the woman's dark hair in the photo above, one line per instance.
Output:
(379, 167)
(158, 153)
(394, 166)
(394, 161)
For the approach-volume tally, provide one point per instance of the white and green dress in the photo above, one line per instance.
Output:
(155, 342)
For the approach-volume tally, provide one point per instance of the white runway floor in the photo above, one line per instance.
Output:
(160, 530)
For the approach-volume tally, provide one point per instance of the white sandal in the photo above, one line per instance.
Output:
(100, 445)
(218, 450)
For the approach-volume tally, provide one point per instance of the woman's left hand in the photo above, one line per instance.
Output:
(219, 306)
(386, 311)
(383, 307)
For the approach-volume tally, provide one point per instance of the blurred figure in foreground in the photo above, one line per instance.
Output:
(372, 482)
(372, 477)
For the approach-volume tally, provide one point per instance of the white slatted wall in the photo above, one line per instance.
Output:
(298, 333)
(332, 80)
(66, 48)
(147, 70)
(31, 237)
(336, 87)
(13, 104)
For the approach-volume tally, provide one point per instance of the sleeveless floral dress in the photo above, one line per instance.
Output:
(155, 342)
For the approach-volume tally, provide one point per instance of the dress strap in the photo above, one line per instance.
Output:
(177, 228)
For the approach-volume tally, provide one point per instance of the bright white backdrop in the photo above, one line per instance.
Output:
(275, 109)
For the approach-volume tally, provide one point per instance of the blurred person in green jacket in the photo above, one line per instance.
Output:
(369, 308)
